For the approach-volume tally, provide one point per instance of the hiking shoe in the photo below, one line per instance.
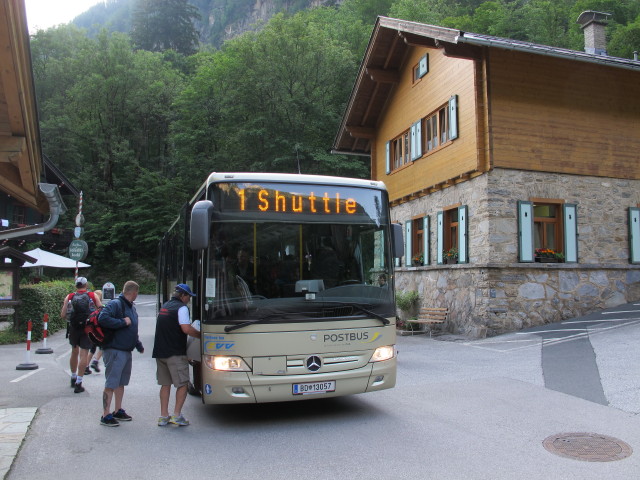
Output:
(122, 416)
(162, 421)
(179, 420)
(109, 421)
(73, 382)
(87, 371)
(95, 366)
(79, 388)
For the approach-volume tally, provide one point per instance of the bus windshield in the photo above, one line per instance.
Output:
(295, 253)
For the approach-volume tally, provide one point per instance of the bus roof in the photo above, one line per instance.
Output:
(221, 177)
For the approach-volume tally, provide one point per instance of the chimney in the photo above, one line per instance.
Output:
(593, 23)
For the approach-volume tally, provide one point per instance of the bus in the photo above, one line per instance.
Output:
(293, 276)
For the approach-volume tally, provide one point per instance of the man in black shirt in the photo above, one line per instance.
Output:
(170, 351)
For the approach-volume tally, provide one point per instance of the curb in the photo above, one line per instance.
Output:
(14, 424)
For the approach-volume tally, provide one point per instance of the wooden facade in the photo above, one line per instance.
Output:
(557, 115)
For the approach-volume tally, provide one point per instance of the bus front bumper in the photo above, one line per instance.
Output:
(245, 387)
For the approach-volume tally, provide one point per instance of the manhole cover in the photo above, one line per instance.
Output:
(589, 447)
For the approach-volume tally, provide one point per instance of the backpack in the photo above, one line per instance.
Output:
(99, 335)
(81, 306)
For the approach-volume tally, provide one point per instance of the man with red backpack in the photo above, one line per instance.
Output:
(76, 308)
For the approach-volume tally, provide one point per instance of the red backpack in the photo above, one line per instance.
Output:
(99, 335)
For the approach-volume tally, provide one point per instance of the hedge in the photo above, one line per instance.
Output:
(40, 299)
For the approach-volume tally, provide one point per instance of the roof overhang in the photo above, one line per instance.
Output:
(20, 151)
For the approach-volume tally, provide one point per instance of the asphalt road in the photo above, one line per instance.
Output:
(461, 410)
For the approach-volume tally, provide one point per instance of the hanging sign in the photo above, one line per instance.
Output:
(78, 250)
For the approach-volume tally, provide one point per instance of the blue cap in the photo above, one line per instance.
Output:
(183, 287)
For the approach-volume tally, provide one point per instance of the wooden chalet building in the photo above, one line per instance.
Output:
(521, 159)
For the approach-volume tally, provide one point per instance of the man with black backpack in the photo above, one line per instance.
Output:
(76, 308)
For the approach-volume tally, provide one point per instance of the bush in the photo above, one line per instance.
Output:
(38, 300)
(406, 300)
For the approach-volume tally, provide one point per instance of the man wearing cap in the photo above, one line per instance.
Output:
(170, 351)
(80, 301)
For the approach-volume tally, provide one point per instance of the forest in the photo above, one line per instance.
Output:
(137, 119)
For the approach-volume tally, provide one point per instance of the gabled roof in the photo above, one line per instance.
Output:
(20, 151)
(52, 174)
(388, 46)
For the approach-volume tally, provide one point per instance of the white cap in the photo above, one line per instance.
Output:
(80, 281)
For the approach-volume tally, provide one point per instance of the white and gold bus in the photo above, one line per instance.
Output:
(294, 282)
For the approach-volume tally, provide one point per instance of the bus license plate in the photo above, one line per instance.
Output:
(315, 387)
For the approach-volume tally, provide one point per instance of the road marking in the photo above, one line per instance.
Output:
(549, 331)
(26, 375)
(618, 311)
(539, 341)
(602, 320)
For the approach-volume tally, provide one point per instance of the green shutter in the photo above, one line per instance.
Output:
(416, 140)
(634, 235)
(408, 254)
(463, 237)
(525, 232)
(388, 158)
(453, 117)
(569, 214)
(426, 236)
(440, 245)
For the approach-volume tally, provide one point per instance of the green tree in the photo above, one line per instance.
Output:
(271, 101)
(626, 40)
(159, 25)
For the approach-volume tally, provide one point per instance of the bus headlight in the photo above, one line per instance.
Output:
(228, 364)
(383, 353)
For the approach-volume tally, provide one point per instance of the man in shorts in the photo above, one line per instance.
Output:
(119, 315)
(80, 343)
(170, 351)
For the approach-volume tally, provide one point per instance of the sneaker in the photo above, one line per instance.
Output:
(73, 382)
(87, 371)
(179, 420)
(79, 388)
(122, 416)
(109, 421)
(95, 366)
(162, 421)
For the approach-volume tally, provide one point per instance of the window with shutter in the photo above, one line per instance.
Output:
(452, 235)
(634, 235)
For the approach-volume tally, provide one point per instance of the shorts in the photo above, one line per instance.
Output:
(117, 371)
(173, 370)
(77, 338)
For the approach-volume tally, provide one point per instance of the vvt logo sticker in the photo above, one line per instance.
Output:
(212, 345)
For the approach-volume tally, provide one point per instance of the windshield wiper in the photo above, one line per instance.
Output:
(230, 328)
(363, 310)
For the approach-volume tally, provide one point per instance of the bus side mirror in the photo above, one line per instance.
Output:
(396, 240)
(200, 224)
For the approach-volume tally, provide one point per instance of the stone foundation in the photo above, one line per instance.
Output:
(493, 293)
(490, 300)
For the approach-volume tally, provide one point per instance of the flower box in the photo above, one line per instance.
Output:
(546, 260)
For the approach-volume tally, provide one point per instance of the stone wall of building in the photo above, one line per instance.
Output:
(493, 293)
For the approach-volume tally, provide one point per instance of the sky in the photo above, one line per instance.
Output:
(42, 14)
